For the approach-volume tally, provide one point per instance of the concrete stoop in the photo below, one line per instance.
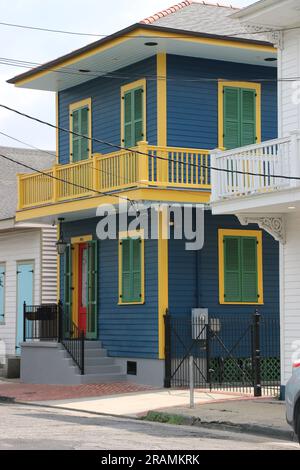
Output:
(50, 363)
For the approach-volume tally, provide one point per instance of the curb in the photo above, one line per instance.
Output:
(234, 427)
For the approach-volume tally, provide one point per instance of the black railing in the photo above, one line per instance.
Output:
(52, 322)
(71, 337)
(230, 352)
(41, 322)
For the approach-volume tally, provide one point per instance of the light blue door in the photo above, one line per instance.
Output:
(25, 275)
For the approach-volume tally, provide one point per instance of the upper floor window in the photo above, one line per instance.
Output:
(81, 124)
(133, 113)
(239, 114)
(240, 266)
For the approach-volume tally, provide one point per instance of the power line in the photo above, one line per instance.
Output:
(149, 155)
(126, 180)
(156, 36)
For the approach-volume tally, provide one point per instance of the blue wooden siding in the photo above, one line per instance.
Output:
(193, 106)
(194, 275)
(128, 331)
(106, 115)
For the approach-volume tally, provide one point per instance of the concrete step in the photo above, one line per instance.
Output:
(98, 361)
(101, 378)
(91, 352)
(110, 369)
(93, 344)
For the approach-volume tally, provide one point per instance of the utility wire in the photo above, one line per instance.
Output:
(126, 180)
(156, 36)
(149, 155)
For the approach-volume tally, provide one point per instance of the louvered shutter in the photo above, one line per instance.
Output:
(128, 131)
(231, 117)
(68, 291)
(249, 269)
(126, 272)
(232, 270)
(136, 269)
(138, 115)
(76, 141)
(248, 117)
(92, 294)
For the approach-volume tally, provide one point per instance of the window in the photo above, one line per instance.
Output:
(133, 113)
(80, 122)
(2, 293)
(131, 268)
(239, 114)
(240, 266)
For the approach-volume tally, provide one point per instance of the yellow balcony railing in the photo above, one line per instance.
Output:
(143, 166)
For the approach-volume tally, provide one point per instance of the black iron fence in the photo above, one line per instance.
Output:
(230, 352)
(52, 322)
(41, 322)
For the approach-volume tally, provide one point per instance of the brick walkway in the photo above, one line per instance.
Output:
(28, 392)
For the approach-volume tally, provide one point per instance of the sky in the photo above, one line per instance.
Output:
(91, 16)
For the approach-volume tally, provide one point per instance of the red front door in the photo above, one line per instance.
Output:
(82, 285)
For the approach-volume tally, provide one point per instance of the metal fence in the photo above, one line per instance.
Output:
(52, 322)
(230, 352)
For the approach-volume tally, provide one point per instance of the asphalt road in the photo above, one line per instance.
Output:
(30, 427)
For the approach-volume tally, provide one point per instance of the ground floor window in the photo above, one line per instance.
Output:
(131, 267)
(2, 292)
(240, 267)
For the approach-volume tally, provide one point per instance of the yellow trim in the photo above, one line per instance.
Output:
(163, 283)
(161, 66)
(57, 124)
(73, 107)
(131, 234)
(150, 34)
(250, 85)
(81, 239)
(124, 89)
(75, 260)
(87, 203)
(240, 233)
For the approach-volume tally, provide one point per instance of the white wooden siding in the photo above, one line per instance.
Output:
(290, 296)
(288, 67)
(49, 265)
(17, 246)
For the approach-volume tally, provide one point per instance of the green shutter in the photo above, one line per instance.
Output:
(133, 117)
(136, 270)
(248, 117)
(68, 291)
(232, 270)
(249, 269)
(81, 126)
(231, 117)
(131, 270)
(92, 297)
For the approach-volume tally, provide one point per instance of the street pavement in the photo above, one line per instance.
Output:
(36, 427)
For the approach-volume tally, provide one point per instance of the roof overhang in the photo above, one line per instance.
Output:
(271, 13)
(127, 46)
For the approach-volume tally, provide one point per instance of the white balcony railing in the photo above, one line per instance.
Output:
(255, 169)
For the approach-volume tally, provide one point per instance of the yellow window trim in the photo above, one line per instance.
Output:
(163, 282)
(249, 85)
(124, 89)
(240, 233)
(81, 239)
(73, 107)
(131, 234)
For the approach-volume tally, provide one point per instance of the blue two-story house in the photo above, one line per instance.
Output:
(138, 113)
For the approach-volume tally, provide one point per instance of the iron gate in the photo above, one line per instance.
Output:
(230, 352)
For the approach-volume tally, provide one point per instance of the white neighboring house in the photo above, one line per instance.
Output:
(272, 202)
(28, 258)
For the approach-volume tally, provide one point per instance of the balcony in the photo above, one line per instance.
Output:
(252, 177)
(164, 168)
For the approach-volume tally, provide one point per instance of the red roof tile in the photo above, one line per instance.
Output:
(179, 6)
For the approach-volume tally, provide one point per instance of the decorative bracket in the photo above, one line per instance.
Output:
(271, 223)
(274, 36)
